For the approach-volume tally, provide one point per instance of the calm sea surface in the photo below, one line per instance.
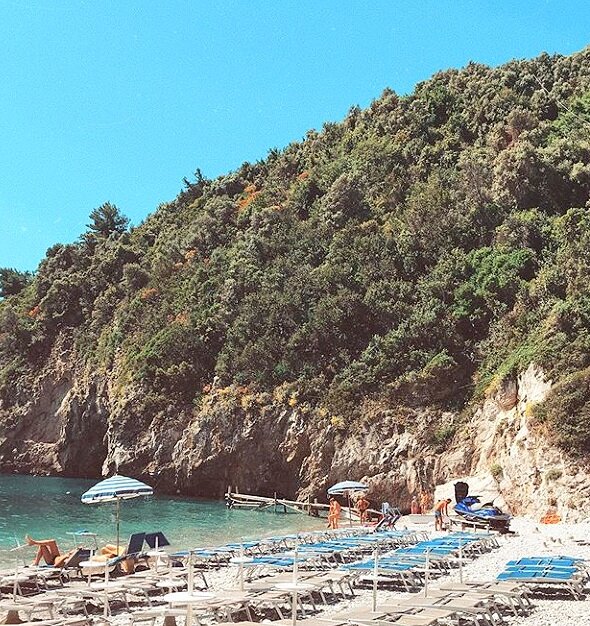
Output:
(51, 508)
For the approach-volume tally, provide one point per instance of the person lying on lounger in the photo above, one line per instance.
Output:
(48, 551)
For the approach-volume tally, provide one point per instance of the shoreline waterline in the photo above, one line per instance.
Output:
(50, 507)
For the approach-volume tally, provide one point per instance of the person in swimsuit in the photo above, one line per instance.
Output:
(334, 513)
(46, 549)
(441, 508)
(362, 504)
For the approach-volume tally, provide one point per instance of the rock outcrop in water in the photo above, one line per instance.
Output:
(402, 297)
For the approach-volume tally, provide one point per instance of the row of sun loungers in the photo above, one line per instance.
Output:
(145, 587)
(478, 603)
(220, 555)
(558, 573)
(407, 567)
(484, 603)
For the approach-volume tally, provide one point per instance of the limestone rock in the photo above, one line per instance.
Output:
(80, 424)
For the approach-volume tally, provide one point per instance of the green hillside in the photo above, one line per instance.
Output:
(417, 253)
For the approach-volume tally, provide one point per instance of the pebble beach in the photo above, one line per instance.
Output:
(528, 539)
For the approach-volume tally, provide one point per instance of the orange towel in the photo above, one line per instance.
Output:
(550, 518)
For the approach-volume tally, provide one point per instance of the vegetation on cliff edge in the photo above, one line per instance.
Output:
(416, 253)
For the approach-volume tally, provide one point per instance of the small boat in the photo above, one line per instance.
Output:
(486, 515)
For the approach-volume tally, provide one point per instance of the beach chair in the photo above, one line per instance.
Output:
(566, 580)
(156, 613)
(156, 540)
(132, 554)
(514, 598)
(72, 565)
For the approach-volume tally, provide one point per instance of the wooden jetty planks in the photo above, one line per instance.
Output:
(252, 501)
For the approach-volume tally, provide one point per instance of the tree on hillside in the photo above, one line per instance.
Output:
(12, 281)
(106, 220)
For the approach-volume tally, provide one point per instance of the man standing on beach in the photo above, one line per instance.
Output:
(441, 508)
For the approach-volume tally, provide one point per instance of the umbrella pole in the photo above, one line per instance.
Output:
(427, 575)
(191, 587)
(241, 567)
(349, 509)
(375, 576)
(118, 522)
(106, 589)
(294, 599)
(15, 585)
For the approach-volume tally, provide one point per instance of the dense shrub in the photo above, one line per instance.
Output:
(416, 253)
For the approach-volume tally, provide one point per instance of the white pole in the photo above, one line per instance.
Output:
(15, 585)
(118, 522)
(191, 585)
(427, 573)
(106, 589)
(295, 575)
(375, 569)
(461, 562)
(241, 565)
(157, 553)
(349, 509)
(294, 607)
(295, 562)
(190, 578)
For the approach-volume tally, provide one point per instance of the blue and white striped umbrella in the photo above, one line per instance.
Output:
(346, 486)
(115, 489)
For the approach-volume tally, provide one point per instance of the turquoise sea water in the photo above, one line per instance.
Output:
(50, 508)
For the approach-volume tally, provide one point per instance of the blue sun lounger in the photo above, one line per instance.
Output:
(569, 579)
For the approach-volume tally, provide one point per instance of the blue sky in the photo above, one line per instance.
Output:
(118, 100)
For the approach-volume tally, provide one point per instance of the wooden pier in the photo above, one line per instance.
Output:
(276, 504)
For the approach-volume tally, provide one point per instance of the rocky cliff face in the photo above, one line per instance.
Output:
(75, 424)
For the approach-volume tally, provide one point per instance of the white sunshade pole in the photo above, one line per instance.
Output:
(106, 589)
(118, 514)
(427, 573)
(294, 598)
(375, 575)
(241, 566)
(191, 587)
